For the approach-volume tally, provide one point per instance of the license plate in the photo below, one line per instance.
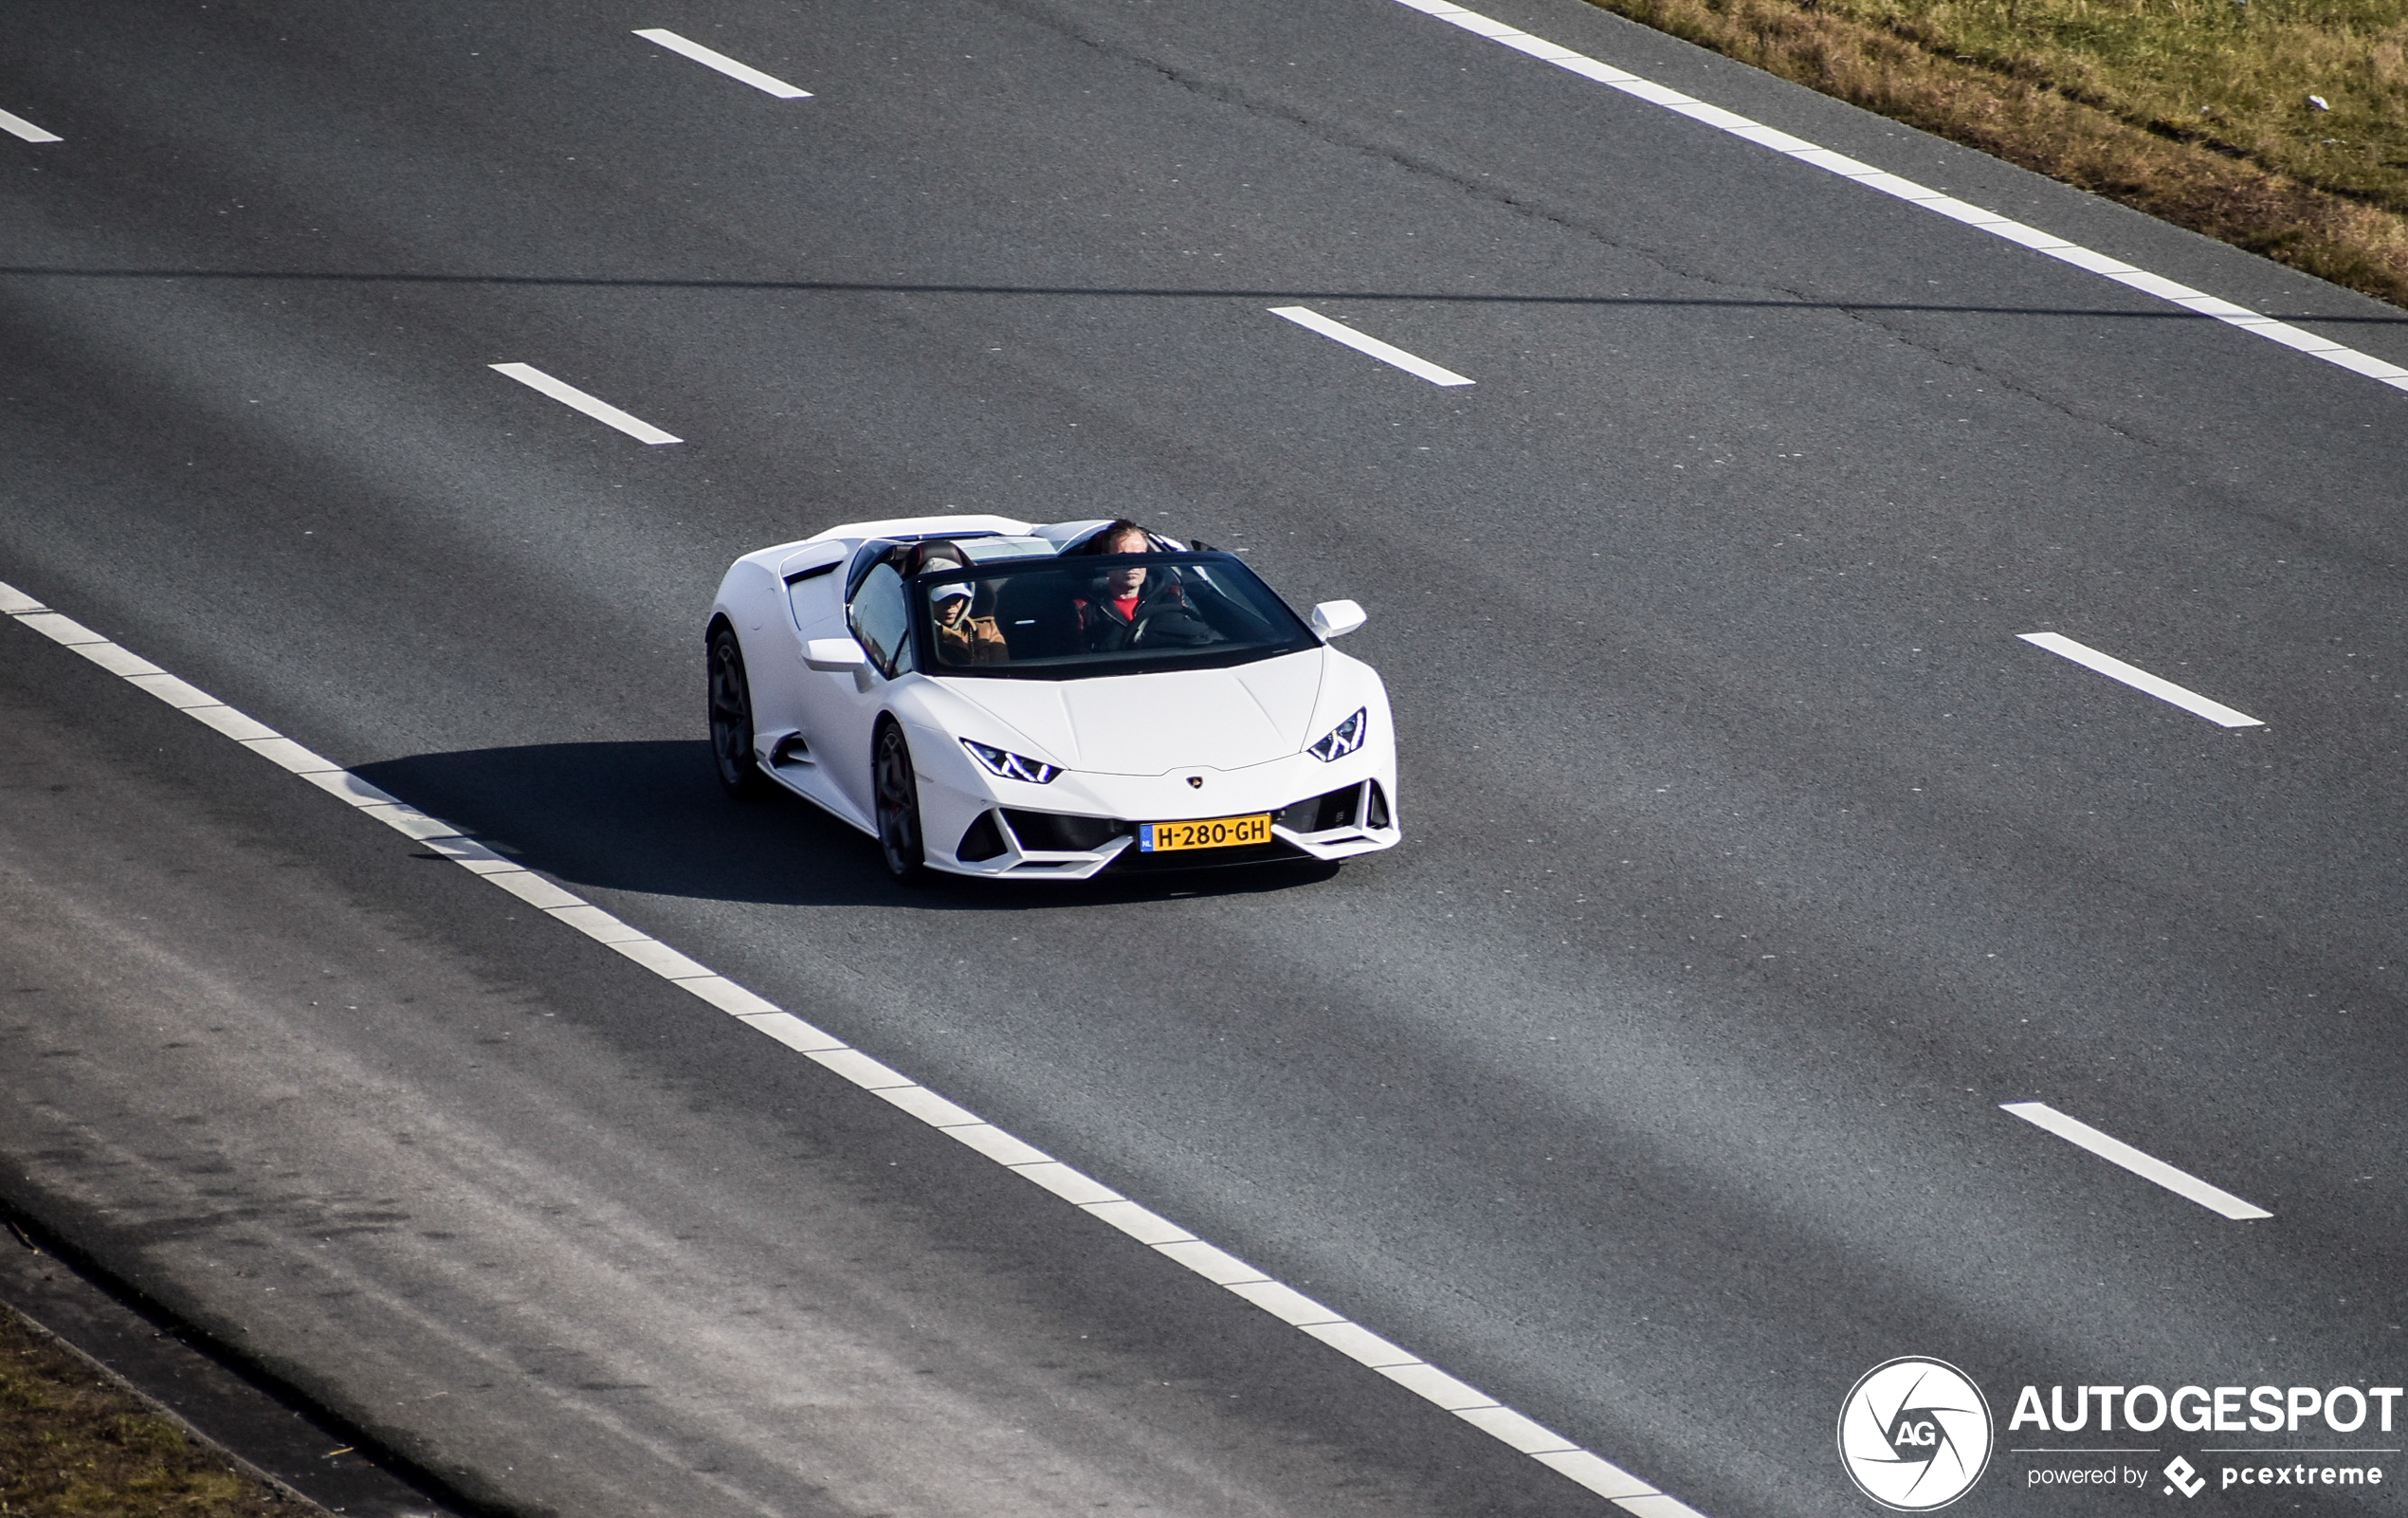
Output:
(1211, 832)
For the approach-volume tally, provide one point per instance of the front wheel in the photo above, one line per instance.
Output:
(731, 700)
(897, 791)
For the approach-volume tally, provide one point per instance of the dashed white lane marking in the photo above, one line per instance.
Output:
(1313, 320)
(1913, 193)
(18, 126)
(2116, 1152)
(768, 85)
(1081, 1191)
(568, 395)
(2114, 668)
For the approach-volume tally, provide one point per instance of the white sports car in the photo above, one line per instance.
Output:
(986, 696)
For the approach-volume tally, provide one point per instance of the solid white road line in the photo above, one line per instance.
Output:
(1339, 332)
(2114, 668)
(568, 395)
(2117, 1152)
(1080, 1190)
(1907, 190)
(746, 73)
(19, 126)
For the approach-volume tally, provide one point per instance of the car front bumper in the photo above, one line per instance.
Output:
(1082, 824)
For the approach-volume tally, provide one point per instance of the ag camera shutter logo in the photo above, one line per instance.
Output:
(1914, 1434)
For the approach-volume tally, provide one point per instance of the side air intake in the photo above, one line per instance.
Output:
(983, 840)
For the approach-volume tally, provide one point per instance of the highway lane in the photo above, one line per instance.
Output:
(1546, 1115)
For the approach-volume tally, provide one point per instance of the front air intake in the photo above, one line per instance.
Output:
(1335, 809)
(1056, 834)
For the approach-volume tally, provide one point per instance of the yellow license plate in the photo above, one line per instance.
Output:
(1211, 832)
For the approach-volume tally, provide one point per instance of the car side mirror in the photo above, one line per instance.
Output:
(1335, 619)
(835, 656)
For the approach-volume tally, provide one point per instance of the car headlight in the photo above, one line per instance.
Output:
(1343, 738)
(1010, 765)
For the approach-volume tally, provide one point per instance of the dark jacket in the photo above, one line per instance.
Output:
(1164, 620)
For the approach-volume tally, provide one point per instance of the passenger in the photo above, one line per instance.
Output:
(960, 637)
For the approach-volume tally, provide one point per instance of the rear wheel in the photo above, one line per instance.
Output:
(731, 699)
(897, 790)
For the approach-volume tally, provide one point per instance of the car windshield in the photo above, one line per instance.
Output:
(1100, 615)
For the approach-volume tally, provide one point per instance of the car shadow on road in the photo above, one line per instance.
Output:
(651, 816)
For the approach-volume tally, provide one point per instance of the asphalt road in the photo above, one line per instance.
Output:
(1653, 1086)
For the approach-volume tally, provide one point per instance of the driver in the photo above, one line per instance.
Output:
(1123, 609)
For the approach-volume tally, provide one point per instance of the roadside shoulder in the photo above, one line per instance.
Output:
(127, 1414)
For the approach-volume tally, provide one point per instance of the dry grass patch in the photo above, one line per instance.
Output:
(2196, 111)
(74, 1446)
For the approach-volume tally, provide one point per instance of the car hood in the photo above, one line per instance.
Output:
(1155, 723)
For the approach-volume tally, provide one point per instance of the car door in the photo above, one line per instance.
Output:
(841, 713)
(791, 716)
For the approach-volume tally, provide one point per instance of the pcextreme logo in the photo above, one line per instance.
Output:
(2183, 1475)
(1914, 1434)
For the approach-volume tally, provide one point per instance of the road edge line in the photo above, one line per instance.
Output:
(2199, 303)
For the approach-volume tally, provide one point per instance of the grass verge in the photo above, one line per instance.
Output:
(2195, 111)
(74, 1445)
